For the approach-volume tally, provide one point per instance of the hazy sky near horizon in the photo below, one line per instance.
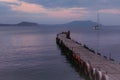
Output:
(59, 11)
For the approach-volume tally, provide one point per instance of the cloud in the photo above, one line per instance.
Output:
(110, 11)
(57, 10)
(89, 4)
(66, 3)
(25, 7)
(14, 11)
(70, 12)
(56, 3)
(10, 1)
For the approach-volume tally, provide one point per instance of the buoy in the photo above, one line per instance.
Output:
(78, 59)
(81, 64)
(75, 58)
(98, 75)
(105, 77)
(87, 68)
(93, 73)
(90, 72)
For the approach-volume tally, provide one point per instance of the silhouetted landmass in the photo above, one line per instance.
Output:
(21, 24)
(81, 23)
(70, 24)
(27, 24)
(6, 24)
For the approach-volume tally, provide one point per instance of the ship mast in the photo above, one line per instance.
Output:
(98, 32)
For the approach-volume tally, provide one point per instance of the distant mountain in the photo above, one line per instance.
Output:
(81, 24)
(21, 24)
(70, 24)
(6, 24)
(27, 24)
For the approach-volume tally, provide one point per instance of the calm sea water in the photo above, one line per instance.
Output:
(106, 40)
(30, 53)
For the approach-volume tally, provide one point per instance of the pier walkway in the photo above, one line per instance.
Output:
(95, 66)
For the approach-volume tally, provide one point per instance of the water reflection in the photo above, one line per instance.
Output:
(108, 42)
(32, 56)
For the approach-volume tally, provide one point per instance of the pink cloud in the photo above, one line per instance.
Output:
(70, 12)
(28, 8)
(54, 12)
(60, 13)
(10, 1)
(110, 11)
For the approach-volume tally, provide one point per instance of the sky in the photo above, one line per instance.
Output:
(59, 11)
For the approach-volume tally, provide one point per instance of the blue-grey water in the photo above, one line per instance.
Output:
(106, 40)
(30, 53)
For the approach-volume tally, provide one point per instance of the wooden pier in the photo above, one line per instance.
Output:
(95, 66)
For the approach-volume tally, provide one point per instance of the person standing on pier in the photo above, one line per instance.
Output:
(68, 35)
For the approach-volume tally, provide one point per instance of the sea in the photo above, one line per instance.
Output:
(31, 53)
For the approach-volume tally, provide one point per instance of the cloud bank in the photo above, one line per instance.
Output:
(57, 10)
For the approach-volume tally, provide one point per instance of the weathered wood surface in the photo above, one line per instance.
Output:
(97, 61)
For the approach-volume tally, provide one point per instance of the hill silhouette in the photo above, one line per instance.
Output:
(70, 24)
(27, 24)
(81, 24)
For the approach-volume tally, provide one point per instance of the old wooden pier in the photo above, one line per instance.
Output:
(95, 66)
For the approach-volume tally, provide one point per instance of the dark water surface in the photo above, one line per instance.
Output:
(30, 53)
(106, 40)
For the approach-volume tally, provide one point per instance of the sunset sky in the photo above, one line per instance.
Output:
(59, 11)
